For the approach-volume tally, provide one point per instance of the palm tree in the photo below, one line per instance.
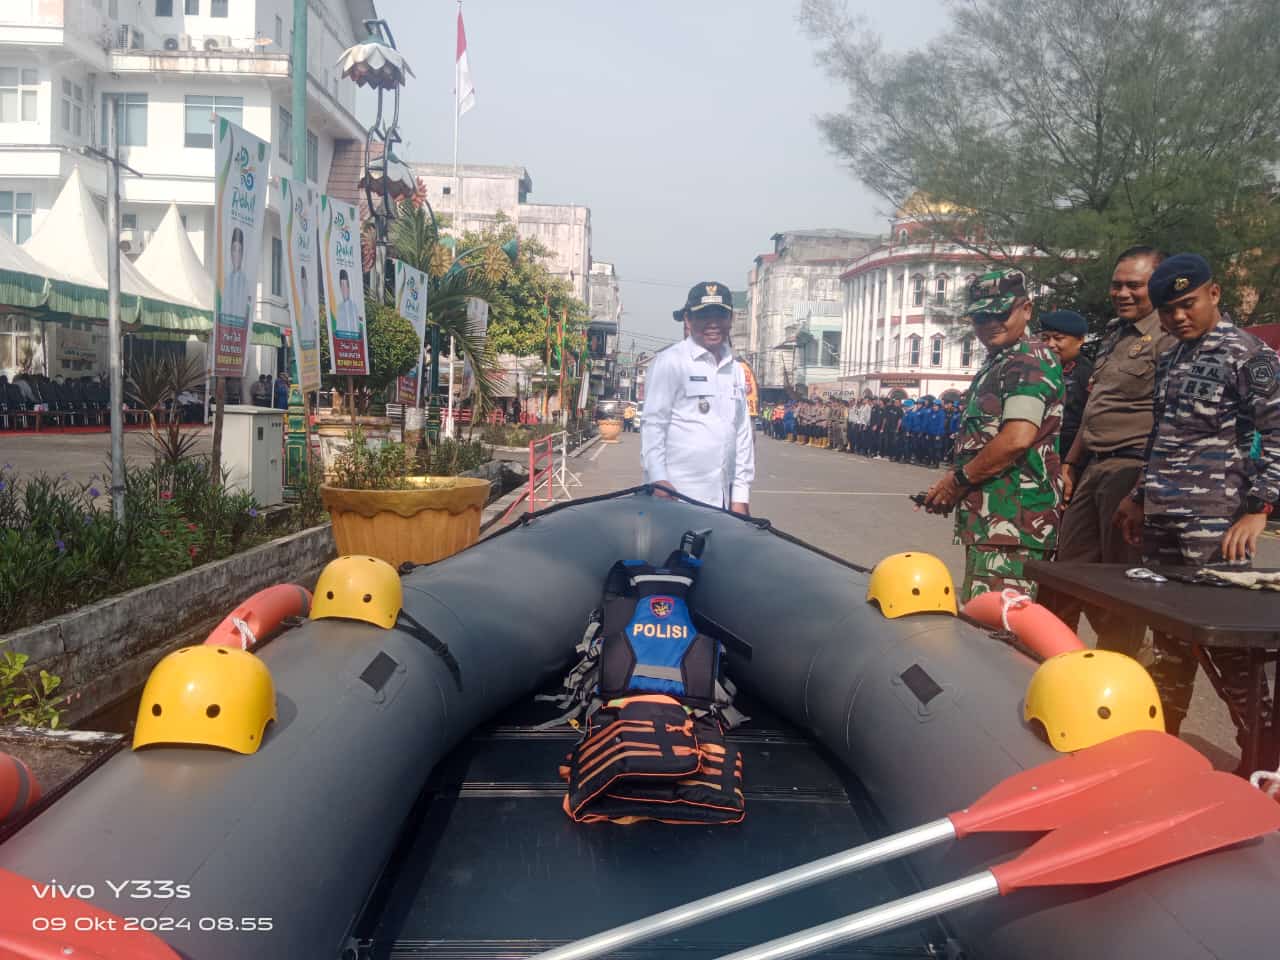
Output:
(415, 239)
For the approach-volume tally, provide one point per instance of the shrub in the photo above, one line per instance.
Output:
(60, 546)
(448, 458)
(360, 466)
(24, 699)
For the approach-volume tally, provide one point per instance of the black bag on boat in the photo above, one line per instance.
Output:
(647, 758)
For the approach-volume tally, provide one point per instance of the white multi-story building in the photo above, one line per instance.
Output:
(901, 313)
(173, 63)
(483, 195)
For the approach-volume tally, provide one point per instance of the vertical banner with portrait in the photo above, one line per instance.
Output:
(344, 288)
(477, 328)
(411, 303)
(298, 208)
(753, 394)
(240, 209)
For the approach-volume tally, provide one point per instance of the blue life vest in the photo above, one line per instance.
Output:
(649, 641)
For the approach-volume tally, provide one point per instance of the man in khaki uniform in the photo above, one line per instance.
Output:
(1106, 458)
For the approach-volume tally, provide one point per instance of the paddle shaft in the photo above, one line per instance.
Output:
(889, 916)
(758, 891)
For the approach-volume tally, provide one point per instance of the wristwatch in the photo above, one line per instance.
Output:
(1254, 504)
(960, 477)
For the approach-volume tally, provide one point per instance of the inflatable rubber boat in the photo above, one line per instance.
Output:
(397, 810)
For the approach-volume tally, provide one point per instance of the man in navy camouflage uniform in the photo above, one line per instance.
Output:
(1201, 500)
(1006, 482)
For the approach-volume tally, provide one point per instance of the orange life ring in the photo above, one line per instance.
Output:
(261, 616)
(19, 790)
(1034, 625)
(45, 919)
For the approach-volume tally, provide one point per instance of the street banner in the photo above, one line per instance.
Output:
(298, 207)
(344, 288)
(239, 212)
(411, 303)
(584, 371)
(753, 395)
(477, 328)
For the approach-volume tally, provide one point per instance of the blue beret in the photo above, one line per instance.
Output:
(1178, 276)
(1065, 321)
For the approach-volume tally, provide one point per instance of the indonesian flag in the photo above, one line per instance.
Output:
(465, 88)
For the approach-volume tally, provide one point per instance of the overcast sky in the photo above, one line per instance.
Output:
(687, 126)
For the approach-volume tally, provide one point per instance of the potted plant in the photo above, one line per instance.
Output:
(381, 509)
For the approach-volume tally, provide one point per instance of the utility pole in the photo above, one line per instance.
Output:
(114, 332)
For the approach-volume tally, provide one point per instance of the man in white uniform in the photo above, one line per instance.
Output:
(696, 435)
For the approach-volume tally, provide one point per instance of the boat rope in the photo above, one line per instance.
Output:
(1260, 777)
(247, 639)
(762, 523)
(1011, 599)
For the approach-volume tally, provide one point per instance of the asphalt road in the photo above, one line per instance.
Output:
(858, 508)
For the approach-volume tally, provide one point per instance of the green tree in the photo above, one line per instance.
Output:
(1055, 133)
(526, 296)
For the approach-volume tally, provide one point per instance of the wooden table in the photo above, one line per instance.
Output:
(1201, 615)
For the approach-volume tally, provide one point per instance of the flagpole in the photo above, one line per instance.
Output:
(563, 419)
(457, 231)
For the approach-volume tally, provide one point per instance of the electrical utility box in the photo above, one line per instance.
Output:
(253, 452)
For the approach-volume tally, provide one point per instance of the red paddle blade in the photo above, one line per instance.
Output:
(1054, 793)
(1207, 812)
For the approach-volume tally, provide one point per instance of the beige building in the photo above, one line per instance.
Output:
(795, 288)
(483, 195)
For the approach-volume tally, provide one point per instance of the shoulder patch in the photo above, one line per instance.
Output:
(1261, 371)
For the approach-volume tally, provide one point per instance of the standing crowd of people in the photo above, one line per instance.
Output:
(901, 429)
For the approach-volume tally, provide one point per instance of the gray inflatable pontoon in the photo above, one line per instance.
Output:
(389, 814)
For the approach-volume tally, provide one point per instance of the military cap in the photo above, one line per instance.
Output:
(1177, 276)
(706, 295)
(1065, 321)
(995, 292)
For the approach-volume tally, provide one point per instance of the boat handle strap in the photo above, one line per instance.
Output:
(434, 644)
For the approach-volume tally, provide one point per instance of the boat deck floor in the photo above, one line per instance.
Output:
(490, 867)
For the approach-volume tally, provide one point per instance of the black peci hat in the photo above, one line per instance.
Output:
(706, 295)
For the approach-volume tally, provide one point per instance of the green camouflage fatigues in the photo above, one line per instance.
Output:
(1013, 517)
(1210, 397)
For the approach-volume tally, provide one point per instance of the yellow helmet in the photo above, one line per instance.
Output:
(912, 583)
(214, 696)
(1084, 697)
(358, 588)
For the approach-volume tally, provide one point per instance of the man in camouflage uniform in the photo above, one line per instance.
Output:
(1202, 499)
(1006, 482)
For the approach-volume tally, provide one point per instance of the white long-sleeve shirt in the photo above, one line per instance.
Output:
(709, 456)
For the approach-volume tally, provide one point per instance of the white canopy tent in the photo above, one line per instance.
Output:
(74, 236)
(24, 282)
(170, 264)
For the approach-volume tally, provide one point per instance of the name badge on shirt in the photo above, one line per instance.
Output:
(697, 379)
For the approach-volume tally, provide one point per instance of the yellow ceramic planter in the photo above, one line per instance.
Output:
(610, 430)
(423, 525)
